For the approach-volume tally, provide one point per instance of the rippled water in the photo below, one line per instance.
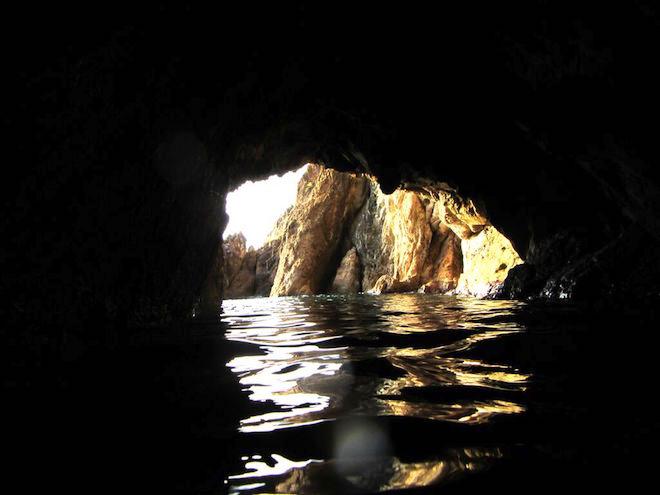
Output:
(364, 393)
(407, 393)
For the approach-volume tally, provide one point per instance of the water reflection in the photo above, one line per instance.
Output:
(389, 473)
(323, 358)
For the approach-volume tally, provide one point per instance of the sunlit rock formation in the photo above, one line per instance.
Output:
(326, 203)
(461, 215)
(441, 274)
(392, 237)
(239, 267)
(487, 255)
(403, 246)
(268, 256)
(344, 235)
(487, 258)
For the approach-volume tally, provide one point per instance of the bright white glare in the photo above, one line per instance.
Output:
(255, 207)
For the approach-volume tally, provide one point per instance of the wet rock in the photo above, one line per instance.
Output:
(347, 280)
(617, 271)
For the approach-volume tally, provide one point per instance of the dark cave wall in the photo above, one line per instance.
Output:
(128, 144)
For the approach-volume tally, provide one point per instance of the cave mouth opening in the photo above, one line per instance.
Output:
(316, 230)
(255, 207)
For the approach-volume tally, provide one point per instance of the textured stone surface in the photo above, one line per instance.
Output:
(487, 259)
(445, 261)
(392, 237)
(403, 245)
(460, 215)
(326, 204)
(347, 279)
(268, 257)
(399, 242)
(239, 268)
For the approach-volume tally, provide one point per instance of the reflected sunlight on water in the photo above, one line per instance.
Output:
(323, 359)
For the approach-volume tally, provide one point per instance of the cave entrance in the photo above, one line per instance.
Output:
(316, 230)
(254, 209)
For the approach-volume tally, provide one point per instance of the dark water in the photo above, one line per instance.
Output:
(364, 394)
(361, 394)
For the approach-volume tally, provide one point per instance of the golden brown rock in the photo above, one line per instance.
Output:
(326, 203)
(461, 216)
(392, 237)
(239, 268)
(403, 246)
(445, 261)
(487, 259)
(428, 241)
(409, 235)
(347, 279)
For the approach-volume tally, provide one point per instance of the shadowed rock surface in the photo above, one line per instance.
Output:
(268, 258)
(347, 278)
(240, 265)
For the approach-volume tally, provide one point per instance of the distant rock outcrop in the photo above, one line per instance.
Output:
(239, 268)
(268, 257)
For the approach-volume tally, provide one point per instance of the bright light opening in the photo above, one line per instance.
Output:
(255, 207)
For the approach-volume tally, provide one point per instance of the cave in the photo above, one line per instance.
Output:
(460, 292)
(340, 234)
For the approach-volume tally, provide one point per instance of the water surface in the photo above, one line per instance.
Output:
(353, 394)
